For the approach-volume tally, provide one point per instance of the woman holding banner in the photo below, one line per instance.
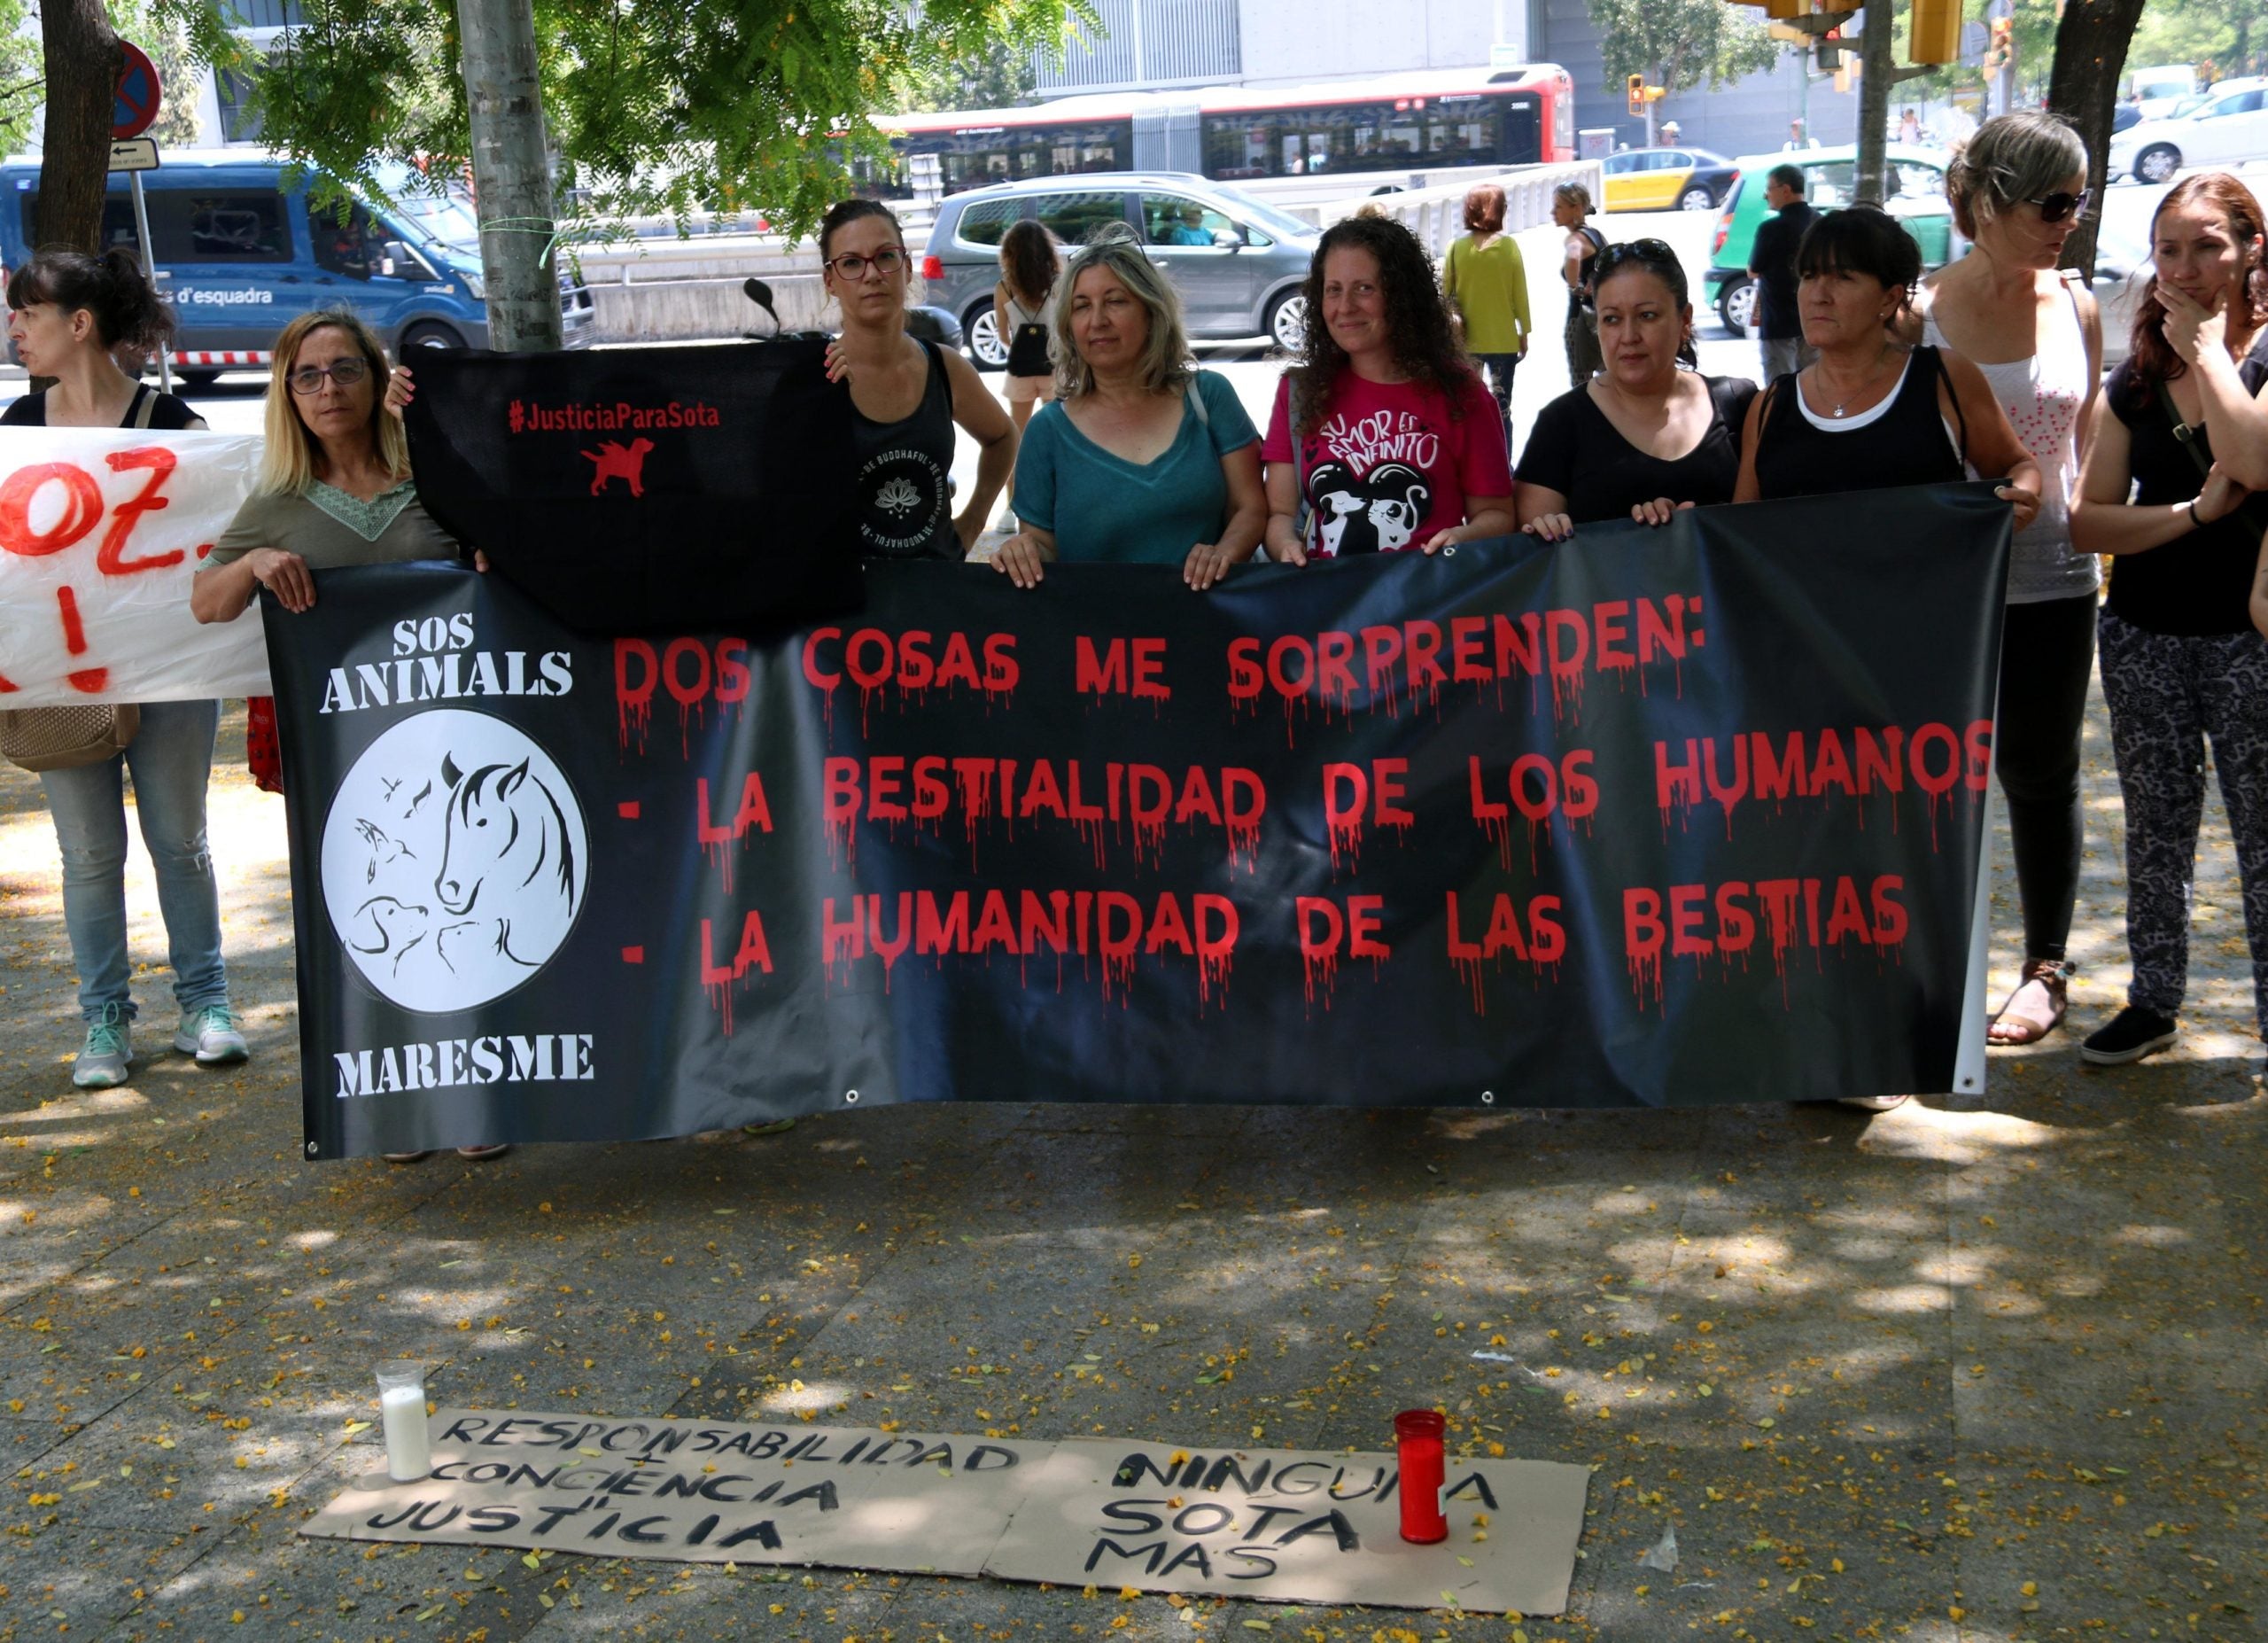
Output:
(1142, 459)
(2175, 449)
(1382, 431)
(334, 489)
(2018, 189)
(906, 397)
(66, 313)
(1650, 434)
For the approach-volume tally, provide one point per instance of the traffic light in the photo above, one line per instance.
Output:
(1935, 34)
(1637, 93)
(2001, 48)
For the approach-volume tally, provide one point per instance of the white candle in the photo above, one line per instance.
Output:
(410, 1456)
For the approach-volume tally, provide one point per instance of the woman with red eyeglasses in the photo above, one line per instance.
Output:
(2018, 189)
(908, 398)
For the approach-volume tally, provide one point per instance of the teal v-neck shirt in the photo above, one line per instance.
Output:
(1101, 508)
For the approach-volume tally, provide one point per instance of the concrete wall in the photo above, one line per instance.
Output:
(1289, 40)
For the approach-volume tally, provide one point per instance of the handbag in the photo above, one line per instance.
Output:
(63, 738)
(1028, 351)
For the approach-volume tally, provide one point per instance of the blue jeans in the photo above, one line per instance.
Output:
(170, 757)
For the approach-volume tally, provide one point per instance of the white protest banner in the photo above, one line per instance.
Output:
(101, 531)
(1284, 1525)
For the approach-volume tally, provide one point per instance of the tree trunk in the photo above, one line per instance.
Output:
(1877, 74)
(510, 174)
(83, 63)
(2090, 54)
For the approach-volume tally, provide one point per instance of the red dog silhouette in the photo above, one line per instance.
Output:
(616, 460)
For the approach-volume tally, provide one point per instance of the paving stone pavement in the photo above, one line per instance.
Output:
(1987, 1367)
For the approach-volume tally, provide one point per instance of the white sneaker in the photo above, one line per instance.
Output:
(103, 1063)
(1872, 1103)
(210, 1034)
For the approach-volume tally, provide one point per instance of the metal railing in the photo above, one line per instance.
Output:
(1436, 214)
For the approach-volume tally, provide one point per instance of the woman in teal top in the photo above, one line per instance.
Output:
(1142, 459)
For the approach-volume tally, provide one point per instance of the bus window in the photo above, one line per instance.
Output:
(243, 226)
(348, 241)
(118, 222)
(1468, 129)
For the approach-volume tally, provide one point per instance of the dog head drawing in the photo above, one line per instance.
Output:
(1376, 513)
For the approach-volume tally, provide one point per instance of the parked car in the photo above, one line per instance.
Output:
(2126, 116)
(1667, 179)
(1917, 197)
(1238, 262)
(2122, 270)
(242, 248)
(2228, 127)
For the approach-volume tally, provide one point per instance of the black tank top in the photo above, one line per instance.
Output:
(1907, 445)
(904, 505)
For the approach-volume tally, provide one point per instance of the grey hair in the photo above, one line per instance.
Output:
(1576, 195)
(1165, 358)
(2012, 157)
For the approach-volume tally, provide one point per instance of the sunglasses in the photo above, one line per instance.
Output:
(2056, 206)
(345, 373)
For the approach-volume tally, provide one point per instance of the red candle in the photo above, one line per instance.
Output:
(1417, 1444)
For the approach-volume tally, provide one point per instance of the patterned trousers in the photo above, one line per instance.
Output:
(2169, 695)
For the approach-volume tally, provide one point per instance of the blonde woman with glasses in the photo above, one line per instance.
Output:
(334, 490)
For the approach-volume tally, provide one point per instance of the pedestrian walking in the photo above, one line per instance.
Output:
(334, 489)
(2017, 191)
(1798, 138)
(1023, 311)
(1142, 459)
(1382, 432)
(1571, 209)
(1772, 265)
(1485, 282)
(1649, 435)
(907, 398)
(66, 313)
(2175, 446)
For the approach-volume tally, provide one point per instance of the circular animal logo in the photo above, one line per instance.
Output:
(455, 860)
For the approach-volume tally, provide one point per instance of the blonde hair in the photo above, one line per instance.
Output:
(1165, 357)
(287, 465)
(1576, 195)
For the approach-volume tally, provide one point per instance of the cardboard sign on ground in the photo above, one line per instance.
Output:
(1291, 1525)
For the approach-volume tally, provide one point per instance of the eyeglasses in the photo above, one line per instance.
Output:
(2055, 207)
(885, 262)
(345, 373)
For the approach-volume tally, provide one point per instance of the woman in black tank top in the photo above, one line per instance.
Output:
(1871, 413)
(908, 398)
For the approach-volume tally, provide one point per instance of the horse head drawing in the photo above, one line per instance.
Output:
(508, 851)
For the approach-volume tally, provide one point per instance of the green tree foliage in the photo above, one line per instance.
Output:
(20, 84)
(995, 80)
(1680, 44)
(2231, 34)
(652, 108)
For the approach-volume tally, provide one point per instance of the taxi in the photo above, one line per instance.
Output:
(1667, 179)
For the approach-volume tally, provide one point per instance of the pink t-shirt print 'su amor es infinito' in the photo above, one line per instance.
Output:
(1388, 467)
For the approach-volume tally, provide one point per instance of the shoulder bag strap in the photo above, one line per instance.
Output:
(1959, 417)
(2184, 435)
(145, 405)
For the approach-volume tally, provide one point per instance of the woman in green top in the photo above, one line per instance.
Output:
(1142, 459)
(1487, 285)
(334, 490)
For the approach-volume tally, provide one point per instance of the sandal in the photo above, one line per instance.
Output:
(2013, 1026)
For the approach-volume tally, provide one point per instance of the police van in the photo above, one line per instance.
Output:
(242, 250)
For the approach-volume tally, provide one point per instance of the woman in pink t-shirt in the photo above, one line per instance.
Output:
(1382, 428)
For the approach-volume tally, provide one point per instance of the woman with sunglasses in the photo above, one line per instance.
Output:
(1650, 434)
(66, 313)
(2174, 450)
(2018, 189)
(906, 396)
(334, 490)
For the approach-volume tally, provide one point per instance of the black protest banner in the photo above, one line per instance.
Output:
(1661, 817)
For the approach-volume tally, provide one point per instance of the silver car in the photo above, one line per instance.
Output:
(1238, 262)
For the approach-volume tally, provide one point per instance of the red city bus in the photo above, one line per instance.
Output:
(1378, 129)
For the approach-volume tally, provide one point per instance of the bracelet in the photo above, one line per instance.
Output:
(2196, 523)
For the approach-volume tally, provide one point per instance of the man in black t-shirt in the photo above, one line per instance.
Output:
(1772, 265)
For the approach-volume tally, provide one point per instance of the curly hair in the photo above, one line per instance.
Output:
(2152, 356)
(1418, 320)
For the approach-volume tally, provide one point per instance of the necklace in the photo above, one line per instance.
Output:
(1873, 371)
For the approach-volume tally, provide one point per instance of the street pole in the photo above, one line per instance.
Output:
(1877, 70)
(511, 174)
(150, 268)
